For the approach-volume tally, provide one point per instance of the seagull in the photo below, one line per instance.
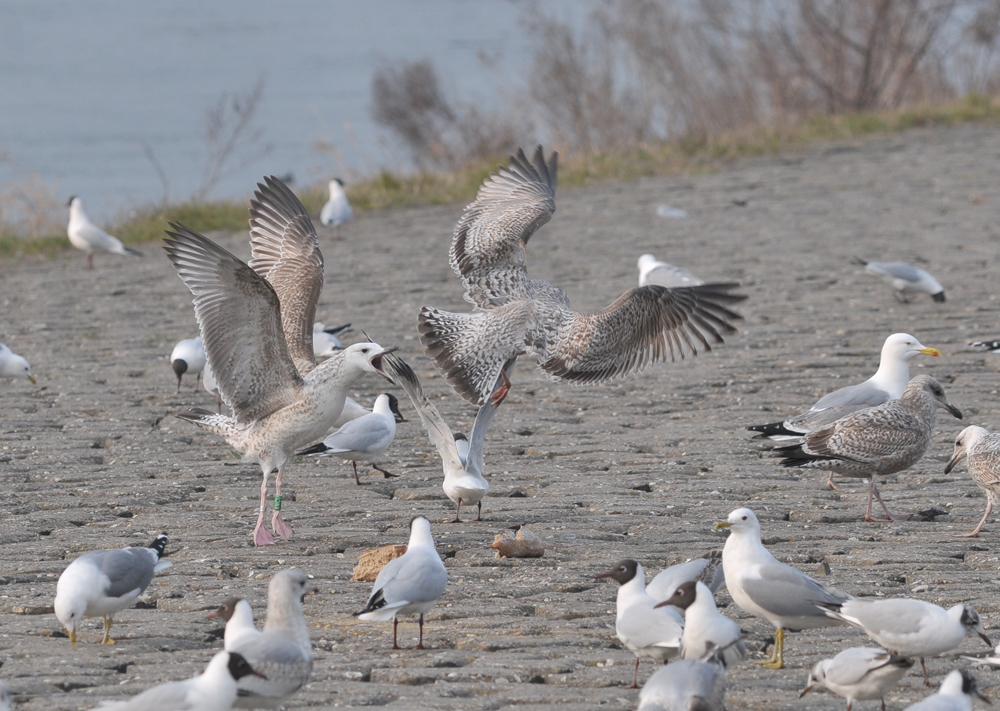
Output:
(685, 685)
(955, 694)
(991, 346)
(188, 356)
(983, 451)
(704, 625)
(913, 628)
(85, 235)
(516, 315)
(283, 651)
(990, 659)
(707, 569)
(762, 586)
(326, 341)
(410, 584)
(876, 441)
(101, 583)
(238, 616)
(337, 209)
(256, 323)
(640, 627)
(212, 690)
(859, 674)
(652, 271)
(463, 480)
(905, 278)
(366, 438)
(14, 366)
(462, 445)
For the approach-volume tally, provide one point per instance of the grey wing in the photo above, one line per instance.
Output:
(784, 591)
(414, 579)
(128, 569)
(655, 628)
(894, 617)
(666, 581)
(370, 433)
(172, 696)
(646, 325)
(487, 250)
(284, 664)
(98, 238)
(240, 318)
(440, 434)
(285, 251)
(669, 276)
(897, 270)
(484, 418)
(852, 668)
(854, 397)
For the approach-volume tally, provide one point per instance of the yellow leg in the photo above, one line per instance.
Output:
(72, 636)
(107, 631)
(777, 660)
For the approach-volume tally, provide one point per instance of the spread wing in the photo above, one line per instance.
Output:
(487, 250)
(240, 319)
(285, 251)
(646, 325)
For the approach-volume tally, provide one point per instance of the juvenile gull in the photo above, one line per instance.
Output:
(366, 438)
(905, 279)
(657, 273)
(910, 627)
(956, 694)
(256, 323)
(85, 235)
(762, 586)
(685, 685)
(188, 356)
(212, 690)
(876, 441)
(517, 315)
(283, 651)
(983, 451)
(326, 341)
(859, 674)
(463, 480)
(704, 626)
(707, 569)
(410, 584)
(14, 366)
(101, 583)
(337, 209)
(645, 630)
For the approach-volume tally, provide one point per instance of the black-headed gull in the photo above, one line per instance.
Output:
(859, 674)
(337, 209)
(86, 236)
(704, 626)
(188, 356)
(905, 279)
(955, 694)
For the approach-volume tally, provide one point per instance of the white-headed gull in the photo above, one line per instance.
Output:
(86, 236)
(14, 366)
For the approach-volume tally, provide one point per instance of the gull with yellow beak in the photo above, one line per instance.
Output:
(764, 587)
(14, 366)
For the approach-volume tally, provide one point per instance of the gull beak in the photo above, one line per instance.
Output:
(72, 636)
(603, 575)
(376, 362)
(213, 614)
(953, 462)
(982, 636)
(807, 690)
(259, 675)
(953, 410)
(722, 524)
(930, 351)
(32, 379)
(661, 604)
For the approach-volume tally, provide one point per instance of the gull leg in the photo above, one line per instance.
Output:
(395, 627)
(358, 481)
(891, 516)
(927, 681)
(420, 644)
(457, 509)
(829, 482)
(479, 515)
(974, 533)
(218, 403)
(277, 523)
(500, 393)
(777, 660)
(385, 474)
(178, 385)
(635, 676)
(107, 631)
(261, 536)
(90, 260)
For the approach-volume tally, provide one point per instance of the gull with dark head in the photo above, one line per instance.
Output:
(957, 692)
(257, 324)
(187, 357)
(337, 209)
(516, 315)
(88, 237)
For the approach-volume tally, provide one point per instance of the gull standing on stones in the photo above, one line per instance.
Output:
(86, 236)
(706, 569)
(517, 315)
(337, 209)
(256, 323)
(212, 690)
(955, 694)
(764, 587)
(905, 278)
(859, 674)
(646, 631)
(685, 685)
(283, 651)
(366, 438)
(983, 451)
(913, 628)
(654, 272)
(704, 626)
(410, 584)
(101, 583)
(188, 356)
(14, 366)
(876, 441)
(464, 482)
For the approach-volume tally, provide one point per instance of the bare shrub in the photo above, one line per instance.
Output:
(30, 208)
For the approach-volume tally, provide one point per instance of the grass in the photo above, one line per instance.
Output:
(388, 190)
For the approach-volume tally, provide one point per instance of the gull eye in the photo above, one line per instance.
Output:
(744, 518)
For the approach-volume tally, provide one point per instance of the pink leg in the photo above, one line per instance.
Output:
(500, 393)
(420, 644)
(829, 482)
(635, 676)
(974, 533)
(459, 508)
(261, 536)
(90, 260)
(277, 524)
(873, 490)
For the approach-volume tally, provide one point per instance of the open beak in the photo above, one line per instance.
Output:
(72, 636)
(32, 379)
(376, 362)
(953, 462)
(930, 351)
(723, 524)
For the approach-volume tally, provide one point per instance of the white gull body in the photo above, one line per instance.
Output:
(14, 366)
(187, 358)
(955, 694)
(705, 628)
(337, 209)
(906, 279)
(238, 616)
(326, 341)
(85, 235)
(859, 674)
(685, 685)
(657, 273)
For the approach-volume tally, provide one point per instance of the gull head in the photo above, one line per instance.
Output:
(966, 439)
(17, 366)
(904, 347)
(622, 572)
(931, 386)
(741, 521)
(225, 610)
(646, 262)
(683, 597)
(394, 407)
(816, 676)
(69, 203)
(969, 619)
(291, 584)
(239, 667)
(368, 357)
(960, 683)
(70, 609)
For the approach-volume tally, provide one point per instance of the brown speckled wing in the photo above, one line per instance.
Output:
(487, 250)
(240, 320)
(643, 326)
(285, 251)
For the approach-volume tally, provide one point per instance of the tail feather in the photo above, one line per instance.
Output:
(133, 252)
(315, 449)
(159, 544)
(795, 456)
(774, 430)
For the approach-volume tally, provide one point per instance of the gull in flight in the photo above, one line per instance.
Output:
(517, 315)
(86, 236)
(256, 323)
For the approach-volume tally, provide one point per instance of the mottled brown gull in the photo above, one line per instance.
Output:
(982, 448)
(876, 441)
(516, 315)
(258, 340)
